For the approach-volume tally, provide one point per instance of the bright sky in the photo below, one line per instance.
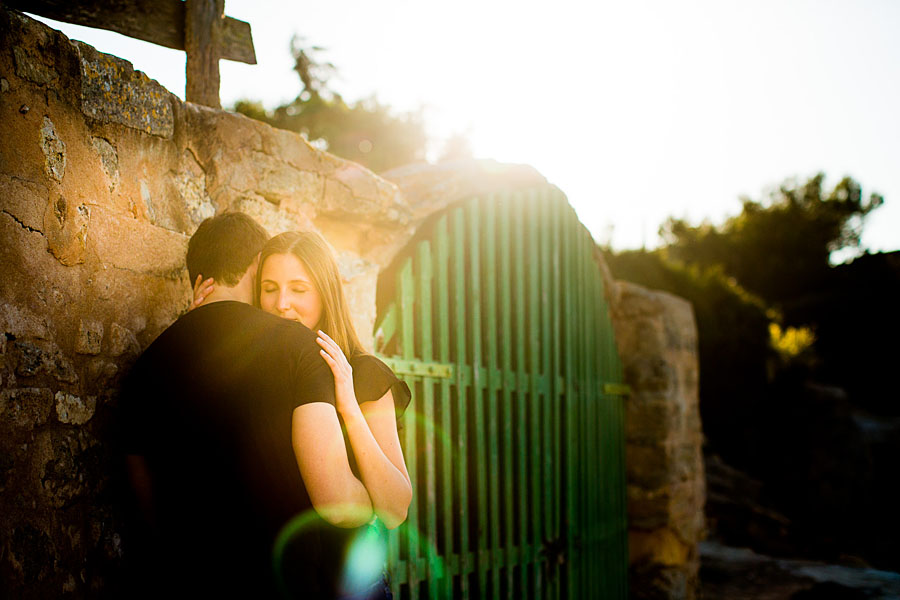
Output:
(636, 110)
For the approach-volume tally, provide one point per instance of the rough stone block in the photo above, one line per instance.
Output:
(30, 550)
(286, 185)
(294, 150)
(26, 408)
(648, 418)
(66, 227)
(24, 202)
(90, 337)
(73, 410)
(649, 372)
(134, 245)
(34, 358)
(275, 219)
(100, 376)
(31, 66)
(121, 341)
(652, 581)
(72, 467)
(109, 160)
(649, 467)
(646, 510)
(190, 181)
(112, 91)
(661, 546)
(54, 151)
(352, 191)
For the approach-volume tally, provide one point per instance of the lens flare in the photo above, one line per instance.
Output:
(365, 561)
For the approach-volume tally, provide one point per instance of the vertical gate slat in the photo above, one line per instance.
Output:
(521, 452)
(428, 445)
(534, 397)
(590, 457)
(493, 386)
(610, 532)
(619, 433)
(600, 420)
(478, 390)
(556, 378)
(506, 367)
(571, 416)
(459, 276)
(584, 515)
(594, 461)
(442, 294)
(407, 298)
(547, 400)
(601, 423)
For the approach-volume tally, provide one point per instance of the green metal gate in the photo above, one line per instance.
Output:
(514, 436)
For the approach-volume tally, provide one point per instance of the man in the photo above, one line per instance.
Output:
(206, 417)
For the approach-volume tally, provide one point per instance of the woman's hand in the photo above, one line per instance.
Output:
(202, 289)
(344, 395)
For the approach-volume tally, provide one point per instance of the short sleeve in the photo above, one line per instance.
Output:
(372, 379)
(313, 380)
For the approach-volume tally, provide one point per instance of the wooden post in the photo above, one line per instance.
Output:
(202, 42)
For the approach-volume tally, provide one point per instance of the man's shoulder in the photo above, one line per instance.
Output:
(243, 321)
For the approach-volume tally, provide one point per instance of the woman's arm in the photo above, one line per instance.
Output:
(374, 439)
(372, 430)
(336, 494)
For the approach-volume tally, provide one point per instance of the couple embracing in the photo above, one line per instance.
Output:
(261, 439)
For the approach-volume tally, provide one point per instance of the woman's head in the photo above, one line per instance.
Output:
(298, 279)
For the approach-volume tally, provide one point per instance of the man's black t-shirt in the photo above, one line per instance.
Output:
(208, 405)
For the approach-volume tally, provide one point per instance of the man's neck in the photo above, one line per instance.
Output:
(221, 293)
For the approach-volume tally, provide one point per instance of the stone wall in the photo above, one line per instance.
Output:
(103, 177)
(657, 339)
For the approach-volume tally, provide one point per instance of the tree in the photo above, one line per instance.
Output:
(778, 249)
(733, 337)
(366, 131)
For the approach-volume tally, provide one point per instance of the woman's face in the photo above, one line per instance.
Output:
(288, 291)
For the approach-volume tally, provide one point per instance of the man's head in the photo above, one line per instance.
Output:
(224, 247)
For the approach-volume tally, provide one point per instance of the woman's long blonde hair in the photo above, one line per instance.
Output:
(310, 248)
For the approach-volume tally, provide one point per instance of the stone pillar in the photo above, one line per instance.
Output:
(657, 339)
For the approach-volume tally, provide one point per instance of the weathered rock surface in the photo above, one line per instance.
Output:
(657, 339)
(104, 175)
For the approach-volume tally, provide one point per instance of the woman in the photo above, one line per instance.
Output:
(298, 279)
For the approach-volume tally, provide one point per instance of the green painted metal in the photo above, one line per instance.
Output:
(514, 437)
(430, 369)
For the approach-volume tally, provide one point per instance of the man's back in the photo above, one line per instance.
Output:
(208, 406)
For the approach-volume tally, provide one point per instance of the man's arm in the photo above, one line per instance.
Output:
(336, 494)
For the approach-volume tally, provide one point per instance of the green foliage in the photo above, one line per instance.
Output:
(793, 345)
(733, 330)
(779, 249)
(828, 320)
(365, 131)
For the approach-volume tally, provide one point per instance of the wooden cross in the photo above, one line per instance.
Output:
(199, 27)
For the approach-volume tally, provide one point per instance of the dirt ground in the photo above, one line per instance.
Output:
(729, 573)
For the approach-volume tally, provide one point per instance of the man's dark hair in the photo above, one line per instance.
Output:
(224, 246)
